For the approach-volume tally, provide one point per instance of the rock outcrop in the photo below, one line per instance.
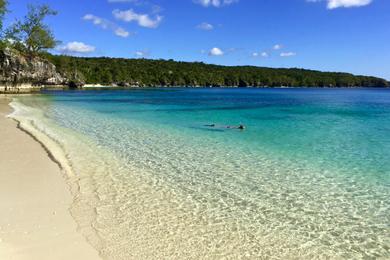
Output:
(19, 73)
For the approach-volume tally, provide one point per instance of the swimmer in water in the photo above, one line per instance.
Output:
(241, 127)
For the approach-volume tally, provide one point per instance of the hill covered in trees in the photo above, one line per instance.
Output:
(146, 72)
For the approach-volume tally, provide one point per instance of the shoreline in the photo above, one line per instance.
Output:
(35, 220)
(37, 90)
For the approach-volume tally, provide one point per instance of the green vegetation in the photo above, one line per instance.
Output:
(146, 72)
(30, 35)
(3, 11)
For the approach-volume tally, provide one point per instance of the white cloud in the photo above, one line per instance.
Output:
(216, 52)
(215, 3)
(277, 47)
(347, 3)
(143, 20)
(260, 54)
(141, 54)
(123, 1)
(264, 54)
(121, 32)
(205, 26)
(332, 4)
(287, 54)
(76, 47)
(106, 24)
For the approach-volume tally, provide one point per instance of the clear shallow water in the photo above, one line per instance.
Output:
(308, 178)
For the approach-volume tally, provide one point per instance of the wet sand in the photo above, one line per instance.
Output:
(35, 222)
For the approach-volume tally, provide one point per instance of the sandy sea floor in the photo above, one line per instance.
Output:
(307, 179)
(35, 222)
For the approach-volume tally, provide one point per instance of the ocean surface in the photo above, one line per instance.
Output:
(308, 178)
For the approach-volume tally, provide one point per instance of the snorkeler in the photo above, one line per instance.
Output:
(241, 126)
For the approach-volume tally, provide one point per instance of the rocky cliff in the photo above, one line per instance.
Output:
(19, 73)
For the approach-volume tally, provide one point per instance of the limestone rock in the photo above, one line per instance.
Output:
(22, 72)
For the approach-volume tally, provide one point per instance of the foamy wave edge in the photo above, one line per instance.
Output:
(22, 115)
(52, 147)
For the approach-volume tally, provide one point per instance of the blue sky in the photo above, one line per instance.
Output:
(330, 35)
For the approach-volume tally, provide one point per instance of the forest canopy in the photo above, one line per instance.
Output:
(147, 72)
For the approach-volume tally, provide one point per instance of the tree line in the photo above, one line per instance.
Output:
(147, 72)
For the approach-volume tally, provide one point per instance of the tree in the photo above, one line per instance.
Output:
(3, 11)
(32, 34)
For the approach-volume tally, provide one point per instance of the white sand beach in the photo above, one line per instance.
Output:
(34, 199)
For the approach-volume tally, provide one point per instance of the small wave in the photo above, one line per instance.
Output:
(30, 122)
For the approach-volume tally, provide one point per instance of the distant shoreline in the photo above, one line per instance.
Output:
(30, 89)
(152, 72)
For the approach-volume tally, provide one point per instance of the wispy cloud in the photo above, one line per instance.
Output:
(121, 32)
(277, 47)
(143, 20)
(107, 25)
(154, 8)
(263, 54)
(215, 3)
(141, 54)
(274, 50)
(287, 54)
(205, 26)
(333, 4)
(216, 52)
(76, 47)
(124, 1)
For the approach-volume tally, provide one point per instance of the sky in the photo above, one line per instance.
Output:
(329, 35)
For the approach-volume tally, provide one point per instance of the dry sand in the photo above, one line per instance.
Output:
(34, 199)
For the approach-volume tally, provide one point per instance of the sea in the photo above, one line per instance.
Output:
(165, 173)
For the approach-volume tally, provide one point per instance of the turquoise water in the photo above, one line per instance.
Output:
(309, 177)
